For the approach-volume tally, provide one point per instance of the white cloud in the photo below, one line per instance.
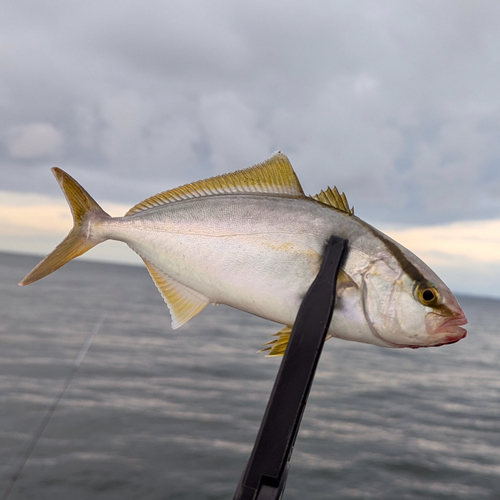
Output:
(36, 140)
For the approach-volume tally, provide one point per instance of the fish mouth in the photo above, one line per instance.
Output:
(444, 333)
(448, 331)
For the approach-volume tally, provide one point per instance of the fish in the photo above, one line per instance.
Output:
(253, 240)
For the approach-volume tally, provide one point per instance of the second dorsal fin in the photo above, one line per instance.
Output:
(273, 176)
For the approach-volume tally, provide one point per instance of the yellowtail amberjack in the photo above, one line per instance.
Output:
(253, 240)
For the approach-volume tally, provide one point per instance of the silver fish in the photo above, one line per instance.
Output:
(253, 240)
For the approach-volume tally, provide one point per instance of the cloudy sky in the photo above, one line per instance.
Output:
(396, 102)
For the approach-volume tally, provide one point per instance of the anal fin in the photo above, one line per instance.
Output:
(277, 347)
(184, 302)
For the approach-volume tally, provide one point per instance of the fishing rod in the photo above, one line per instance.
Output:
(46, 419)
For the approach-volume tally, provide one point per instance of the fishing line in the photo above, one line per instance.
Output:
(38, 434)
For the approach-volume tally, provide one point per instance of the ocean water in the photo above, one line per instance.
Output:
(152, 413)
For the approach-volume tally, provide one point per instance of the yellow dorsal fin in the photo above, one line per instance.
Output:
(184, 302)
(334, 199)
(273, 176)
(277, 347)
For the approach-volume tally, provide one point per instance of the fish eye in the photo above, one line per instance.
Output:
(427, 294)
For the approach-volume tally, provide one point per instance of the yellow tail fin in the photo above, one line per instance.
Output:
(85, 212)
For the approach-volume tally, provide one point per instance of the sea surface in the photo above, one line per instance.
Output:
(152, 413)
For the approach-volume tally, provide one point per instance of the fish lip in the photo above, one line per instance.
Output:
(455, 321)
(450, 330)
(445, 325)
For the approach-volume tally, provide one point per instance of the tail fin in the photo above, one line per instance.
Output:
(85, 212)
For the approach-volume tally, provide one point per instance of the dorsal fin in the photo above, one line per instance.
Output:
(334, 199)
(183, 302)
(273, 176)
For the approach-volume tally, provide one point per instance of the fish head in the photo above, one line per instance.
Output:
(407, 305)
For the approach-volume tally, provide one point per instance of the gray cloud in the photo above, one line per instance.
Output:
(36, 140)
(398, 103)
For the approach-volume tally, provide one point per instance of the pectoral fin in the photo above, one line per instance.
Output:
(277, 347)
(184, 302)
(344, 281)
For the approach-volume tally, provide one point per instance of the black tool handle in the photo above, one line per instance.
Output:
(265, 475)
